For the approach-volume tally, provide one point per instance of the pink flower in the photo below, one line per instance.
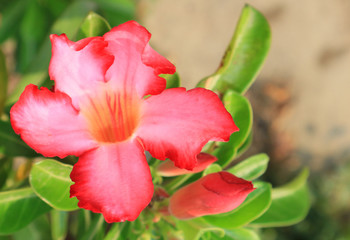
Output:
(98, 112)
(215, 193)
(168, 169)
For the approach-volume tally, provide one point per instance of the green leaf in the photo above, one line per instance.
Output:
(172, 80)
(241, 111)
(39, 229)
(245, 54)
(193, 229)
(245, 146)
(213, 168)
(68, 23)
(33, 28)
(18, 208)
(10, 18)
(93, 25)
(51, 182)
(59, 224)
(12, 144)
(254, 206)
(242, 234)
(3, 81)
(251, 168)
(56, 7)
(235, 234)
(290, 204)
(117, 11)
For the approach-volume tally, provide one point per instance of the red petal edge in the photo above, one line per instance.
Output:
(49, 124)
(178, 123)
(136, 64)
(114, 180)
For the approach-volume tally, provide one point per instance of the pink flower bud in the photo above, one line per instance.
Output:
(215, 193)
(168, 168)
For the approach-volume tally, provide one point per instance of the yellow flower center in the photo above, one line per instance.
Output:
(112, 117)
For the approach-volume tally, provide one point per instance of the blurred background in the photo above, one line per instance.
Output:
(300, 99)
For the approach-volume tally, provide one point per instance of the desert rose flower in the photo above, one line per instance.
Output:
(168, 168)
(98, 111)
(212, 194)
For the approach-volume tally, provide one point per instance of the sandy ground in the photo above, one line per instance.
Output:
(309, 56)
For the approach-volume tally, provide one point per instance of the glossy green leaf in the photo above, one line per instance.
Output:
(234, 234)
(213, 168)
(51, 182)
(172, 80)
(12, 144)
(245, 54)
(93, 25)
(241, 111)
(245, 146)
(290, 204)
(193, 229)
(3, 81)
(241, 234)
(68, 23)
(18, 208)
(254, 206)
(59, 224)
(251, 168)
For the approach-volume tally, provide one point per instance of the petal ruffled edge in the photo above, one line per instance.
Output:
(137, 65)
(178, 123)
(114, 180)
(78, 67)
(49, 124)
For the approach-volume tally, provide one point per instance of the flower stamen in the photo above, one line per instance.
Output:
(112, 117)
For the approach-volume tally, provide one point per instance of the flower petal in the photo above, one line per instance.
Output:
(114, 180)
(215, 193)
(136, 64)
(177, 124)
(168, 169)
(78, 67)
(49, 124)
